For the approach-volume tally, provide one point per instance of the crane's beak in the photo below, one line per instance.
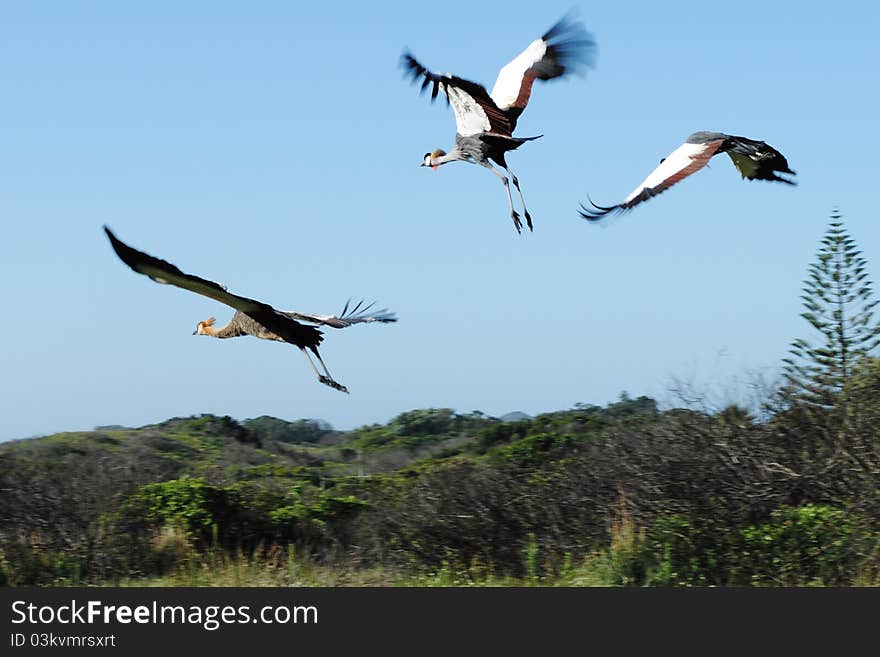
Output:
(196, 332)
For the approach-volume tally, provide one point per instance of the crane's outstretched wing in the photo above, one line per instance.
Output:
(349, 316)
(688, 158)
(474, 110)
(756, 160)
(565, 47)
(164, 272)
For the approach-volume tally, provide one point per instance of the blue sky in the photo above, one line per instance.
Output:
(274, 147)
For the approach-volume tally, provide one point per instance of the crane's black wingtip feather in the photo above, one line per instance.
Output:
(597, 212)
(415, 70)
(584, 213)
(411, 66)
(572, 45)
(788, 180)
(567, 23)
(126, 253)
(111, 235)
(407, 60)
(123, 251)
(386, 316)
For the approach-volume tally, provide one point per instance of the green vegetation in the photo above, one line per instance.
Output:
(588, 496)
(622, 495)
(839, 305)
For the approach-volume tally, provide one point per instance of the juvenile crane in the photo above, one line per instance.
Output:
(252, 317)
(485, 121)
(755, 160)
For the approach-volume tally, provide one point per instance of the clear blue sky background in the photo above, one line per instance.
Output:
(274, 146)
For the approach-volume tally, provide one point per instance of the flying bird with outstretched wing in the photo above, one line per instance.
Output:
(485, 121)
(252, 317)
(755, 160)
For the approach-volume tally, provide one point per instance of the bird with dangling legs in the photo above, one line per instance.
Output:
(252, 317)
(755, 160)
(485, 121)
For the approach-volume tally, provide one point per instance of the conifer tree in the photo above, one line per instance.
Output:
(839, 305)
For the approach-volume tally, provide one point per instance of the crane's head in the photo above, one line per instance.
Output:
(430, 159)
(201, 327)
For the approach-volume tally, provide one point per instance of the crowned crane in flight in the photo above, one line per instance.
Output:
(485, 121)
(755, 160)
(252, 317)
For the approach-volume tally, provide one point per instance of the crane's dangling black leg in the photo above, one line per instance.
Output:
(519, 191)
(328, 379)
(517, 222)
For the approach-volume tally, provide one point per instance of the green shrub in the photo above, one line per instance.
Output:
(810, 544)
(189, 503)
(29, 566)
(495, 434)
(318, 511)
(689, 551)
(675, 550)
(534, 450)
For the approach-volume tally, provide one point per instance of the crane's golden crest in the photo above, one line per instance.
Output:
(428, 159)
(201, 326)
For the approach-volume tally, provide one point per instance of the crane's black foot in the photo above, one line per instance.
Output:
(327, 381)
(517, 222)
(528, 219)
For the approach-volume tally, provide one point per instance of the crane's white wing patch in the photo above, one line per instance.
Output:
(509, 82)
(470, 117)
(682, 162)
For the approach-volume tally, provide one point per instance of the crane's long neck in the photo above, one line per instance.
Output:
(228, 331)
(454, 155)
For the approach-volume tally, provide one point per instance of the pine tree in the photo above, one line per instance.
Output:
(839, 304)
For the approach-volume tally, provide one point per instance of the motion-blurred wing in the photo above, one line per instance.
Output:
(349, 316)
(755, 160)
(682, 162)
(166, 273)
(474, 110)
(565, 47)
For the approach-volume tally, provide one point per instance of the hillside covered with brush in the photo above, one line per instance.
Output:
(623, 494)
